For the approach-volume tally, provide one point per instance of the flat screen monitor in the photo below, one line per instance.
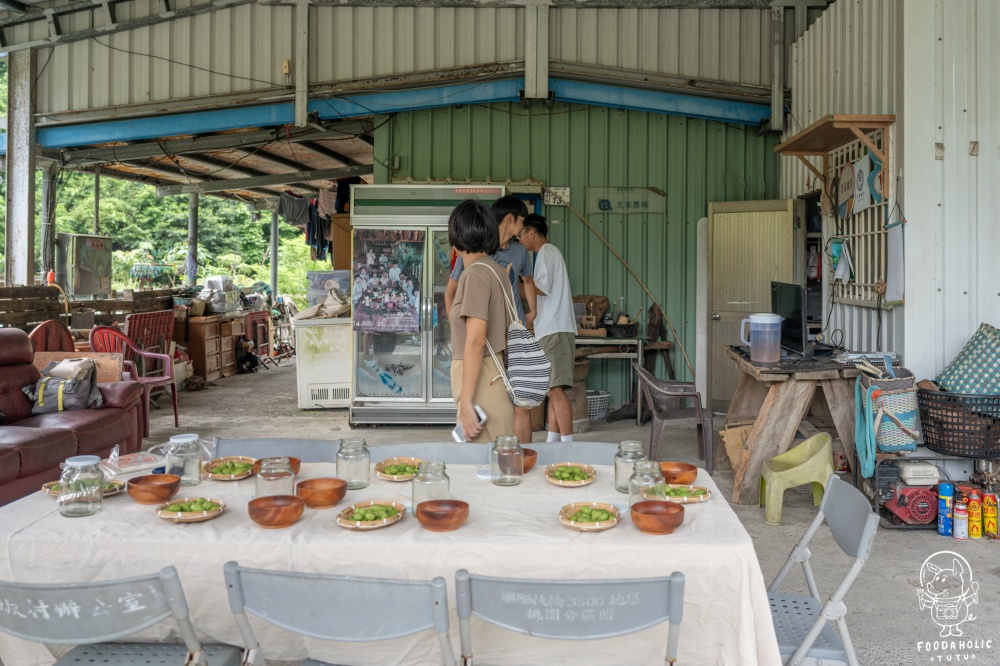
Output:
(788, 302)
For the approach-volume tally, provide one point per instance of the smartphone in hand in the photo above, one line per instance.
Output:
(457, 433)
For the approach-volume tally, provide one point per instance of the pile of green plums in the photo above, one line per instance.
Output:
(373, 512)
(587, 514)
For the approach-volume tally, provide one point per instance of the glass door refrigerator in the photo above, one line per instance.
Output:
(401, 262)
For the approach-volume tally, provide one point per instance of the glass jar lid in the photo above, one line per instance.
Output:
(83, 461)
(184, 439)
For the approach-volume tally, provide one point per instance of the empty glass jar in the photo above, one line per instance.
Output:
(629, 453)
(275, 477)
(81, 486)
(430, 483)
(646, 476)
(507, 461)
(354, 462)
(184, 459)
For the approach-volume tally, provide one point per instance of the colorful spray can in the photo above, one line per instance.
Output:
(946, 494)
(990, 515)
(975, 515)
(961, 520)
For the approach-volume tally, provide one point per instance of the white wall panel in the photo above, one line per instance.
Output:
(240, 50)
(952, 105)
(847, 62)
(717, 44)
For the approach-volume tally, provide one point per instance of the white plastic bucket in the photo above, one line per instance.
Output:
(765, 337)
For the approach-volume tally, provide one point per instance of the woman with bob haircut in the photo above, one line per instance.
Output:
(478, 314)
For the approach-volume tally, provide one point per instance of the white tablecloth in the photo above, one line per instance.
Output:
(511, 531)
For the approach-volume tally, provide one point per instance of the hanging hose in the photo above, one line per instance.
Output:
(51, 282)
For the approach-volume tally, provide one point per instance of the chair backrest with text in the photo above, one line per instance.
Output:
(555, 608)
(366, 609)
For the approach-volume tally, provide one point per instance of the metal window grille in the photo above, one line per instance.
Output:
(863, 232)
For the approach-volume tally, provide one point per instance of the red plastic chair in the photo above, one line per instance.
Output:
(51, 336)
(257, 325)
(111, 340)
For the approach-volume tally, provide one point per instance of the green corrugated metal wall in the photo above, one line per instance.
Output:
(694, 161)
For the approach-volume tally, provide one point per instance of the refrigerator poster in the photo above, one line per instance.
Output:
(388, 265)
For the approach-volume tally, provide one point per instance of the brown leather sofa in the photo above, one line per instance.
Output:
(31, 447)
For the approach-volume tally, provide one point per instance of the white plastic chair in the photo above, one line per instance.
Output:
(801, 622)
(339, 608)
(89, 615)
(549, 608)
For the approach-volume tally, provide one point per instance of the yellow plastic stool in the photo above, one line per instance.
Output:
(809, 462)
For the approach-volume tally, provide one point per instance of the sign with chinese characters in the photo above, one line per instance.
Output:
(625, 200)
(556, 196)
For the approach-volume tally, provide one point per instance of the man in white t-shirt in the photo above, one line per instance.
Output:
(554, 323)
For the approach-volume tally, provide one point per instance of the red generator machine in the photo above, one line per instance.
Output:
(914, 505)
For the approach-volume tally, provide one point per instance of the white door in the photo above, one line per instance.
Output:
(750, 244)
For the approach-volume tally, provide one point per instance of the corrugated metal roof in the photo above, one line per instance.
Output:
(693, 161)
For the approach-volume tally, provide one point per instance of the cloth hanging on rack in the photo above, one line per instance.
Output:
(293, 209)
(344, 192)
(327, 203)
(315, 235)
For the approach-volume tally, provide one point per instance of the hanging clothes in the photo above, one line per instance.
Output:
(316, 237)
(293, 209)
(327, 203)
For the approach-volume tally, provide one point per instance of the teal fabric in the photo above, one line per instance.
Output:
(864, 428)
(976, 369)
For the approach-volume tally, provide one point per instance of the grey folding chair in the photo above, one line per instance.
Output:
(570, 609)
(89, 615)
(339, 608)
(802, 622)
(306, 450)
(450, 453)
(588, 453)
(666, 400)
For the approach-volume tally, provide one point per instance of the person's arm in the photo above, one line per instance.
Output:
(530, 294)
(449, 294)
(472, 363)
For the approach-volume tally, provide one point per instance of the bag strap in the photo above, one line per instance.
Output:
(511, 310)
(882, 411)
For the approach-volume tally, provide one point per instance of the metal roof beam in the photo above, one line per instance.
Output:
(174, 172)
(223, 165)
(210, 143)
(273, 157)
(332, 154)
(278, 179)
(678, 4)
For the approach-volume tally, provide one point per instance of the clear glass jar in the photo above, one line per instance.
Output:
(507, 461)
(629, 453)
(354, 462)
(184, 459)
(646, 476)
(81, 486)
(275, 477)
(430, 483)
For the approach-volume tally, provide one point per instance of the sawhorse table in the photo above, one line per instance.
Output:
(777, 397)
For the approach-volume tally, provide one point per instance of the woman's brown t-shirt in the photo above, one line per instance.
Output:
(480, 295)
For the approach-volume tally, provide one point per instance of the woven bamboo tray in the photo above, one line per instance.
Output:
(600, 526)
(397, 460)
(345, 521)
(550, 470)
(212, 464)
(189, 516)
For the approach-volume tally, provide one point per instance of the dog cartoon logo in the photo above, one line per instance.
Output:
(948, 591)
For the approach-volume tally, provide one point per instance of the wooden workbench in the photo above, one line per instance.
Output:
(777, 397)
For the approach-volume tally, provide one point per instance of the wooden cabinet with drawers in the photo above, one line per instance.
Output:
(205, 347)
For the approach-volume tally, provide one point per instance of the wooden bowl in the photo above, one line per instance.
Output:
(530, 458)
(442, 515)
(654, 517)
(295, 464)
(275, 511)
(679, 473)
(321, 493)
(153, 488)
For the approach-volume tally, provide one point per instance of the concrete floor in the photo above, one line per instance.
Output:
(884, 616)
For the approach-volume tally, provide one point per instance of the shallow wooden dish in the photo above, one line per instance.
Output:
(680, 499)
(530, 458)
(600, 526)
(111, 488)
(655, 517)
(274, 512)
(190, 516)
(442, 515)
(550, 470)
(321, 493)
(212, 464)
(294, 463)
(344, 517)
(678, 472)
(397, 460)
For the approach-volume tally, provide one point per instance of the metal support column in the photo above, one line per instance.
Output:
(274, 255)
(97, 200)
(20, 239)
(536, 52)
(49, 179)
(777, 68)
(191, 264)
(301, 63)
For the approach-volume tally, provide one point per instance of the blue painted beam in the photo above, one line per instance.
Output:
(598, 94)
(335, 108)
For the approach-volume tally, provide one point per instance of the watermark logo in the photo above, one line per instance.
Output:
(948, 591)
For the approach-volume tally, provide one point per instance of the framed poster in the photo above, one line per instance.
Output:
(388, 267)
